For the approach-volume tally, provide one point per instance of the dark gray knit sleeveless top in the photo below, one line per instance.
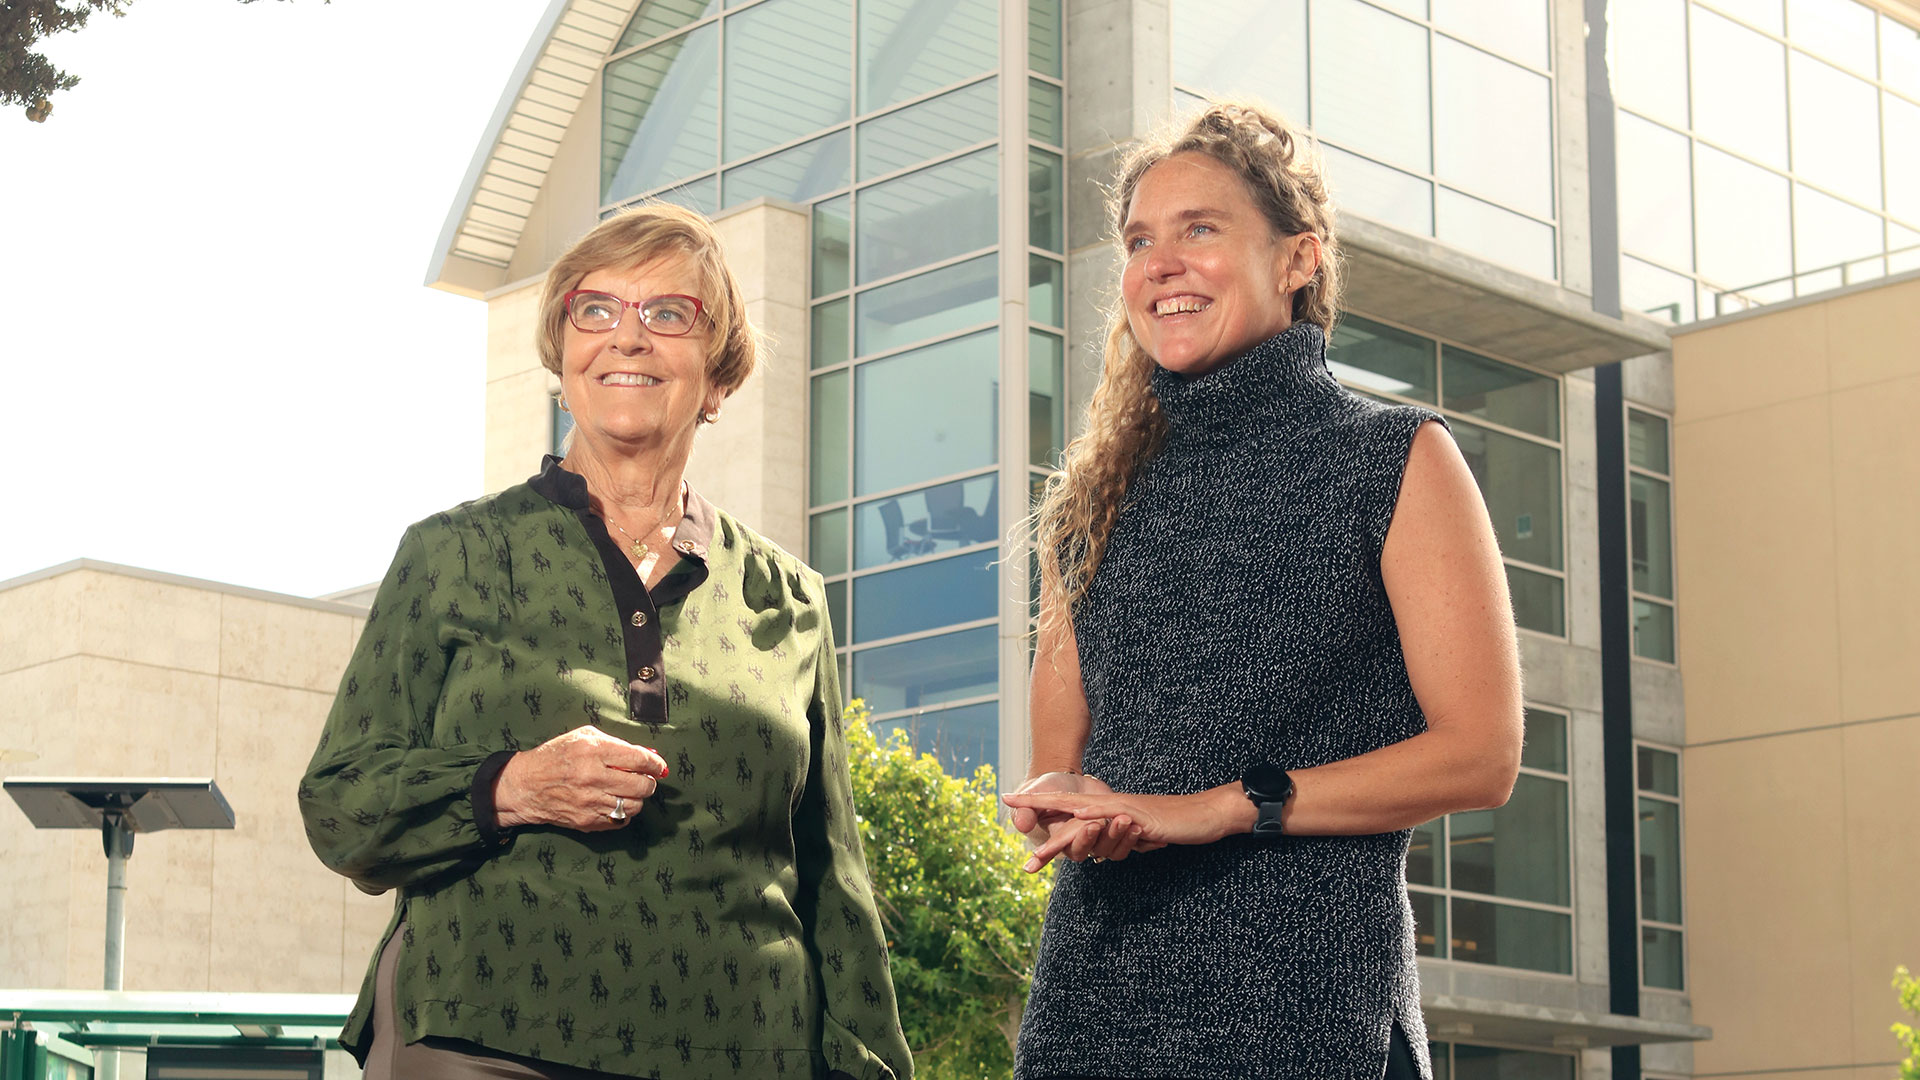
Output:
(1238, 616)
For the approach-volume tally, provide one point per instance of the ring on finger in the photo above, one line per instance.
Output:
(619, 811)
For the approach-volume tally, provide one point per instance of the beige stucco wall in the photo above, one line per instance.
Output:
(1797, 520)
(753, 461)
(106, 672)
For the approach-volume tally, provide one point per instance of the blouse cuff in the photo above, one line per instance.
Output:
(484, 816)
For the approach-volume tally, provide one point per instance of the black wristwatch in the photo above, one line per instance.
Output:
(1268, 788)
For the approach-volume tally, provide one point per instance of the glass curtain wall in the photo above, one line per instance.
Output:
(884, 117)
(1434, 117)
(1459, 1061)
(1506, 420)
(1496, 886)
(1767, 149)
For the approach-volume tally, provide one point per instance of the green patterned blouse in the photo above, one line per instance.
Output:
(729, 930)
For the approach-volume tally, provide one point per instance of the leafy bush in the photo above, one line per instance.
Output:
(1908, 987)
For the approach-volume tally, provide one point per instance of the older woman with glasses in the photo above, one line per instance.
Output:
(591, 736)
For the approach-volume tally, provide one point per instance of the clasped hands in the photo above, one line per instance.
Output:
(586, 780)
(1080, 817)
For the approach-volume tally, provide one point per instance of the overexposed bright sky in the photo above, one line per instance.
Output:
(217, 356)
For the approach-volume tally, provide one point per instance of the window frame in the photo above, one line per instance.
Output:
(1672, 603)
(1641, 922)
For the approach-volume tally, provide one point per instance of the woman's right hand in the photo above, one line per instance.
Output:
(1104, 839)
(573, 780)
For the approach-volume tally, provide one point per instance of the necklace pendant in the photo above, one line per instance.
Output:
(639, 550)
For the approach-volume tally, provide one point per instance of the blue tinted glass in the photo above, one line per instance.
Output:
(926, 216)
(1044, 49)
(827, 542)
(963, 739)
(964, 294)
(829, 333)
(924, 596)
(798, 174)
(562, 426)
(827, 432)
(702, 195)
(934, 127)
(926, 413)
(641, 146)
(771, 98)
(832, 226)
(1046, 114)
(657, 17)
(1046, 291)
(944, 517)
(930, 671)
(1046, 398)
(1046, 200)
(913, 47)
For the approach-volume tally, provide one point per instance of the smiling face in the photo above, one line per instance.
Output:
(1206, 276)
(630, 387)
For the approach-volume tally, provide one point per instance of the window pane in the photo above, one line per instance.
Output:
(1828, 232)
(929, 671)
(561, 426)
(1902, 120)
(1662, 294)
(1834, 143)
(1429, 922)
(1741, 217)
(702, 195)
(1659, 860)
(1046, 200)
(1646, 441)
(771, 99)
(827, 435)
(1659, 770)
(1518, 851)
(1044, 48)
(910, 47)
(1492, 126)
(798, 174)
(1442, 1066)
(1515, 28)
(929, 215)
(1046, 398)
(1370, 83)
(1491, 1063)
(963, 739)
(944, 517)
(830, 333)
(964, 294)
(924, 596)
(1648, 58)
(1656, 198)
(1046, 116)
(1383, 359)
(1653, 630)
(832, 227)
(1488, 933)
(1426, 864)
(1739, 89)
(1650, 510)
(1366, 187)
(1539, 601)
(934, 127)
(1662, 959)
(1506, 395)
(1900, 56)
(927, 413)
(1840, 30)
(1764, 14)
(1499, 235)
(642, 147)
(657, 17)
(1521, 483)
(827, 543)
(1904, 249)
(1546, 741)
(837, 616)
(1270, 65)
(1046, 291)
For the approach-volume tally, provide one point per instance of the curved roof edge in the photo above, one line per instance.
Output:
(510, 166)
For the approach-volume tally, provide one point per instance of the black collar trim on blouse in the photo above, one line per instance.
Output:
(563, 487)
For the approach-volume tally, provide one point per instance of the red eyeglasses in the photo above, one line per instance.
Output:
(669, 315)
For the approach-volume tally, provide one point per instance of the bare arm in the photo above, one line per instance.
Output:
(1057, 700)
(1441, 566)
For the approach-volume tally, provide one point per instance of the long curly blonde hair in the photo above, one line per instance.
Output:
(1125, 427)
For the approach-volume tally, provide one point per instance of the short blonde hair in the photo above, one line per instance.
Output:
(635, 237)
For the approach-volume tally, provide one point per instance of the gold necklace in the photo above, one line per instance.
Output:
(640, 548)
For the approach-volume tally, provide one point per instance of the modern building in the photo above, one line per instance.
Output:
(1657, 261)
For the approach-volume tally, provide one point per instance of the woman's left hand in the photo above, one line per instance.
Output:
(1200, 818)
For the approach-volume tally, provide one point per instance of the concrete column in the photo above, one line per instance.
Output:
(1015, 383)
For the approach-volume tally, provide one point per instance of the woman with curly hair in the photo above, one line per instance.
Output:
(1274, 627)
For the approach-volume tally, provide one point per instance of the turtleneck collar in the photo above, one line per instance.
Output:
(1269, 383)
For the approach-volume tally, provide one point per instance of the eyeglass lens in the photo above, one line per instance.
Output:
(668, 315)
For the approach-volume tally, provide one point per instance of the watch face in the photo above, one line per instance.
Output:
(1266, 782)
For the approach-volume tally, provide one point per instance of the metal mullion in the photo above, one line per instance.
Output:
(1531, 905)
(696, 24)
(920, 560)
(1046, 78)
(901, 350)
(1535, 567)
(917, 635)
(780, 147)
(908, 103)
(927, 268)
(909, 170)
(1015, 380)
(945, 706)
